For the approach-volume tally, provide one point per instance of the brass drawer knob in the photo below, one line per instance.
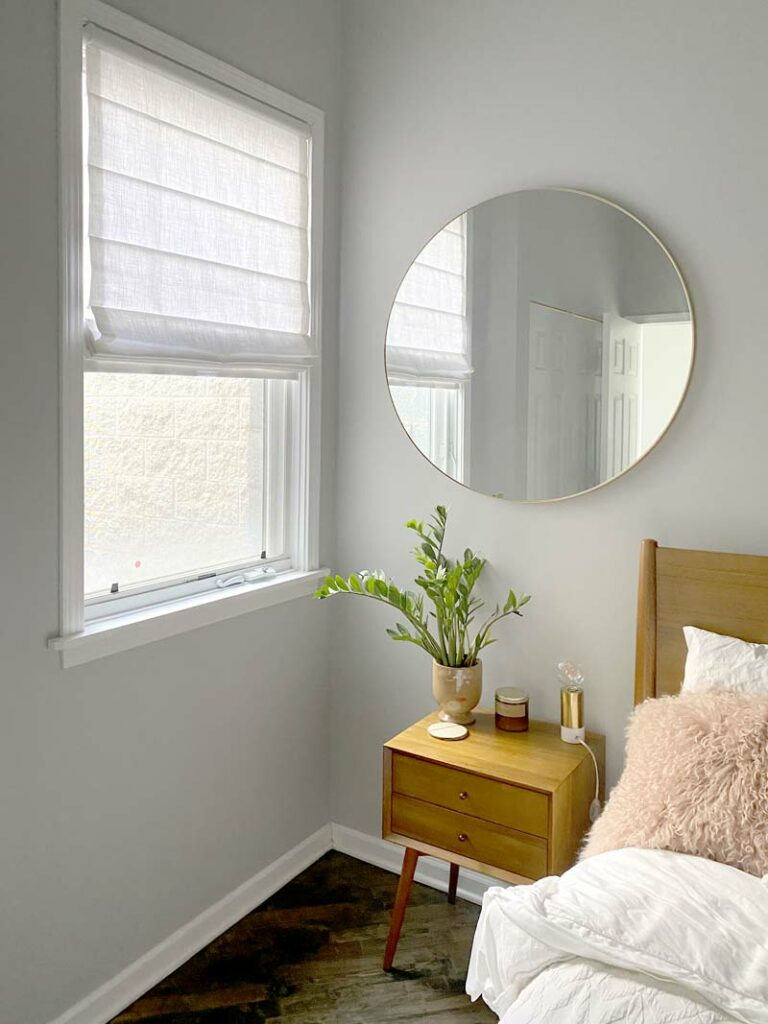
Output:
(463, 795)
(463, 837)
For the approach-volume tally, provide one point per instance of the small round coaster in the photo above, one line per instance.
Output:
(448, 731)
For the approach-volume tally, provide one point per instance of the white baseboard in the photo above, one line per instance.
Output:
(112, 997)
(109, 999)
(430, 871)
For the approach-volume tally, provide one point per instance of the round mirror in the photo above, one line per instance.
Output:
(539, 345)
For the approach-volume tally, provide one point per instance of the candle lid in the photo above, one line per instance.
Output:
(511, 695)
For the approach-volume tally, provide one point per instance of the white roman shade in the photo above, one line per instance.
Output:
(427, 335)
(197, 216)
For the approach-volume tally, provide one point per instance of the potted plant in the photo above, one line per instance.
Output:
(447, 632)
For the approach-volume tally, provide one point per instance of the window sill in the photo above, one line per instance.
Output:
(145, 625)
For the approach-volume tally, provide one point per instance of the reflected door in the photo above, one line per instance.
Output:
(622, 340)
(565, 388)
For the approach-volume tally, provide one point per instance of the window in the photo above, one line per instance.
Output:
(432, 415)
(428, 349)
(191, 236)
(174, 478)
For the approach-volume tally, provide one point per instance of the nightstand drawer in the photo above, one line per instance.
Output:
(513, 806)
(474, 838)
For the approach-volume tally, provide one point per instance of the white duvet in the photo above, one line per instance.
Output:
(632, 935)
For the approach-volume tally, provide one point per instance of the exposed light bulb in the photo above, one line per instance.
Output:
(570, 674)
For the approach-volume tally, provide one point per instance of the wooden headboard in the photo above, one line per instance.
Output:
(720, 592)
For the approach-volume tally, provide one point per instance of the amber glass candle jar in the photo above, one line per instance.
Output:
(511, 707)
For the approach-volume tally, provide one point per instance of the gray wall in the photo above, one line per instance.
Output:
(449, 103)
(137, 790)
(590, 258)
(499, 385)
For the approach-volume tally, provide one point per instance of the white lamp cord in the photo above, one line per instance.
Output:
(594, 807)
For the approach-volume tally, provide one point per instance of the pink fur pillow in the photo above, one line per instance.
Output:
(695, 781)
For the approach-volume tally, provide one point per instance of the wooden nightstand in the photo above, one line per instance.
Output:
(512, 805)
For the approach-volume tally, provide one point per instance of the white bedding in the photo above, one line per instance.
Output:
(631, 935)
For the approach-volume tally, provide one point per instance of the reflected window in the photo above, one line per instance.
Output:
(433, 415)
(428, 350)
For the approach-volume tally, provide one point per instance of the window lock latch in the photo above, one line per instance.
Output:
(249, 576)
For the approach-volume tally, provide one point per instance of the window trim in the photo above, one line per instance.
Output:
(305, 469)
(134, 628)
(136, 599)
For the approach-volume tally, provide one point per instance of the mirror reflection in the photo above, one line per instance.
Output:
(539, 345)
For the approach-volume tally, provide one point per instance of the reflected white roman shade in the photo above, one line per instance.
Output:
(427, 335)
(197, 216)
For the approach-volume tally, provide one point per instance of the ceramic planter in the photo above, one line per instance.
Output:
(457, 691)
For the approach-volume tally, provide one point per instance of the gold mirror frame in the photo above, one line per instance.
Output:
(683, 394)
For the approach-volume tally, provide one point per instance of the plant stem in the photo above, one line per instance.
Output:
(427, 641)
(480, 639)
(441, 634)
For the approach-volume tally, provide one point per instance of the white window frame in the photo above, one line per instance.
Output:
(179, 610)
(441, 429)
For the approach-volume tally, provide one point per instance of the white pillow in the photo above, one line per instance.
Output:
(717, 662)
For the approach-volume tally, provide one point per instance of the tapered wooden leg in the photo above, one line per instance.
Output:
(401, 902)
(453, 881)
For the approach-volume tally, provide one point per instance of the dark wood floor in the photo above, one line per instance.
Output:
(312, 955)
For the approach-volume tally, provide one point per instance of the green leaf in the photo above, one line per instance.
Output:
(448, 585)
